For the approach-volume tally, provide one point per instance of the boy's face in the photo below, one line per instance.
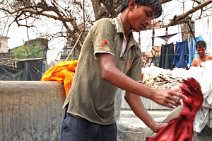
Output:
(140, 17)
(201, 51)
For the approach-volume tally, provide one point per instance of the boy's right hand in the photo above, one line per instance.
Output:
(167, 97)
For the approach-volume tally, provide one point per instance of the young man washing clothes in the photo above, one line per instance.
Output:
(110, 59)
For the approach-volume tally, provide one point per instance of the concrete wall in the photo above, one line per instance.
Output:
(4, 44)
(30, 110)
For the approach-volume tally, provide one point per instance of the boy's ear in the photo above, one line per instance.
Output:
(132, 4)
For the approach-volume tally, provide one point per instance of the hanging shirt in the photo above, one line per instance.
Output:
(166, 56)
(181, 54)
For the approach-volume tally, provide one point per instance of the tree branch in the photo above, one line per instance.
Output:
(177, 19)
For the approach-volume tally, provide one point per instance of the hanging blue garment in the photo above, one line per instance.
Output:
(192, 49)
(166, 56)
(181, 55)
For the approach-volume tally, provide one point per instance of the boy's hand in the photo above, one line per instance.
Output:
(168, 97)
(159, 126)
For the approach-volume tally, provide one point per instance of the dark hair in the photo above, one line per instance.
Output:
(154, 3)
(201, 44)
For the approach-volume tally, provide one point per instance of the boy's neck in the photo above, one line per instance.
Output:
(203, 58)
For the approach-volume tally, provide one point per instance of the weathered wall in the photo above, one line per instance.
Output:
(4, 44)
(30, 110)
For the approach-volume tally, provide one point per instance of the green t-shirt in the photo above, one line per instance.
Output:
(90, 96)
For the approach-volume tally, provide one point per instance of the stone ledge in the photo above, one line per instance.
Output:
(30, 110)
(130, 128)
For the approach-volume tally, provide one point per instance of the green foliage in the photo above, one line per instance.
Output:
(28, 51)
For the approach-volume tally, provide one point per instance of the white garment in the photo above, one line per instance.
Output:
(204, 115)
(208, 40)
(161, 33)
(146, 40)
(146, 37)
(136, 36)
(158, 41)
(52, 56)
(175, 30)
(210, 24)
(201, 26)
(175, 38)
(203, 118)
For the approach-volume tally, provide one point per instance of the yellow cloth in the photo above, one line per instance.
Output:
(63, 72)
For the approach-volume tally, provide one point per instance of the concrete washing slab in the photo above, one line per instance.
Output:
(130, 128)
(32, 111)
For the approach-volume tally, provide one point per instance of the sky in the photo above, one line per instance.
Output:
(19, 35)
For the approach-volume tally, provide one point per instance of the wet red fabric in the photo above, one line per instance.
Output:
(181, 128)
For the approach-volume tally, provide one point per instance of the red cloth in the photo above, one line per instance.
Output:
(181, 128)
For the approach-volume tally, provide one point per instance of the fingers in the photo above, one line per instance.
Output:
(173, 98)
(169, 105)
(176, 94)
(173, 102)
(169, 97)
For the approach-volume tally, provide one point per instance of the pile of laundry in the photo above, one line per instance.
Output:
(162, 78)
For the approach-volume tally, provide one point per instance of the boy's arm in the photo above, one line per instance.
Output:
(138, 108)
(112, 74)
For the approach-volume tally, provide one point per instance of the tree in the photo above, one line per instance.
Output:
(177, 19)
(109, 8)
(74, 16)
(67, 14)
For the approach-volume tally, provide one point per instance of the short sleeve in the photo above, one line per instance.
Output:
(103, 37)
(135, 70)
